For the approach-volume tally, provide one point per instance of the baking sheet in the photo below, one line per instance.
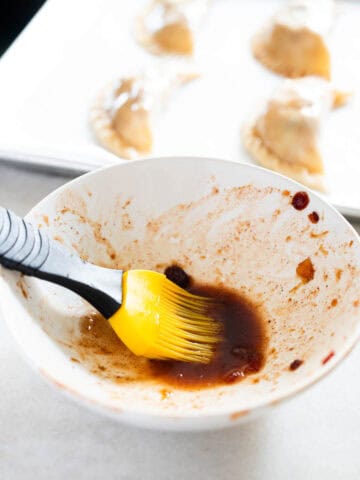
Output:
(50, 75)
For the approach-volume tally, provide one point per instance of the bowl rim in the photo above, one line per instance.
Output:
(271, 400)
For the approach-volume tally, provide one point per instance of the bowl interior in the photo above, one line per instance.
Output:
(224, 223)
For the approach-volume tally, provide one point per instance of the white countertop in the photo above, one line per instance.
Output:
(44, 435)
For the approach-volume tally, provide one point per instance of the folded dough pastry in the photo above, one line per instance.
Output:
(122, 114)
(169, 26)
(286, 136)
(294, 44)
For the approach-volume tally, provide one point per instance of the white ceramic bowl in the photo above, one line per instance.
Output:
(237, 226)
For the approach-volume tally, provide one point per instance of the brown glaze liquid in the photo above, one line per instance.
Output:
(240, 353)
(314, 217)
(300, 200)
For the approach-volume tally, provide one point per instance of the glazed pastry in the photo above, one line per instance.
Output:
(293, 44)
(286, 136)
(169, 26)
(122, 115)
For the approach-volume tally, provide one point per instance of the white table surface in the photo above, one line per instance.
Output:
(44, 435)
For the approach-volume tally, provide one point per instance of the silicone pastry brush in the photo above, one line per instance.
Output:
(152, 315)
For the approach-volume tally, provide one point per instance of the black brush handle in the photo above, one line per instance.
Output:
(28, 250)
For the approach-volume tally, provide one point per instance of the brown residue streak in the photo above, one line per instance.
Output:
(314, 217)
(160, 266)
(288, 238)
(319, 235)
(285, 193)
(53, 381)
(20, 283)
(74, 360)
(46, 220)
(323, 250)
(305, 270)
(295, 364)
(334, 302)
(82, 255)
(60, 385)
(328, 357)
(126, 222)
(294, 289)
(351, 243)
(338, 273)
(215, 190)
(276, 212)
(165, 394)
(61, 342)
(97, 231)
(59, 239)
(126, 204)
(236, 415)
(152, 227)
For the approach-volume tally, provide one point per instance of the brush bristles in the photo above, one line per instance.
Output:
(187, 333)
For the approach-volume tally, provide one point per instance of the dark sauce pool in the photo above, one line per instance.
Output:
(240, 353)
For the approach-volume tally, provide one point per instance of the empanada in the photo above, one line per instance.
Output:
(285, 136)
(122, 115)
(169, 26)
(294, 43)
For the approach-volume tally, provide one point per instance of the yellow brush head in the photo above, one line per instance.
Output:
(160, 320)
